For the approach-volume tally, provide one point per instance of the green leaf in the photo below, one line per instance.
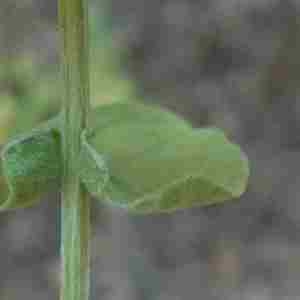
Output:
(159, 163)
(31, 164)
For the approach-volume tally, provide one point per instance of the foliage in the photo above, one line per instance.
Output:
(134, 156)
(163, 157)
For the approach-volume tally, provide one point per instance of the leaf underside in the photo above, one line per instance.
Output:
(134, 156)
(31, 165)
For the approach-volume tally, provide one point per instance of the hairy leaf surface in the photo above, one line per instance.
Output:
(31, 164)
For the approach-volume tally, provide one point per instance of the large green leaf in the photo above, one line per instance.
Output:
(31, 164)
(159, 163)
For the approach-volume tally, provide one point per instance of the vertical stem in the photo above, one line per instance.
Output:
(75, 213)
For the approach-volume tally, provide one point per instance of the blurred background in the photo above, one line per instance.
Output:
(234, 64)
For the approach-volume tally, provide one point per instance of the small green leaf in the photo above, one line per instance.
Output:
(159, 163)
(31, 164)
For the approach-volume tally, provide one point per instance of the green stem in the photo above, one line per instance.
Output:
(75, 214)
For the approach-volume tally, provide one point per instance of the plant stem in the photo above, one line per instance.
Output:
(75, 213)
